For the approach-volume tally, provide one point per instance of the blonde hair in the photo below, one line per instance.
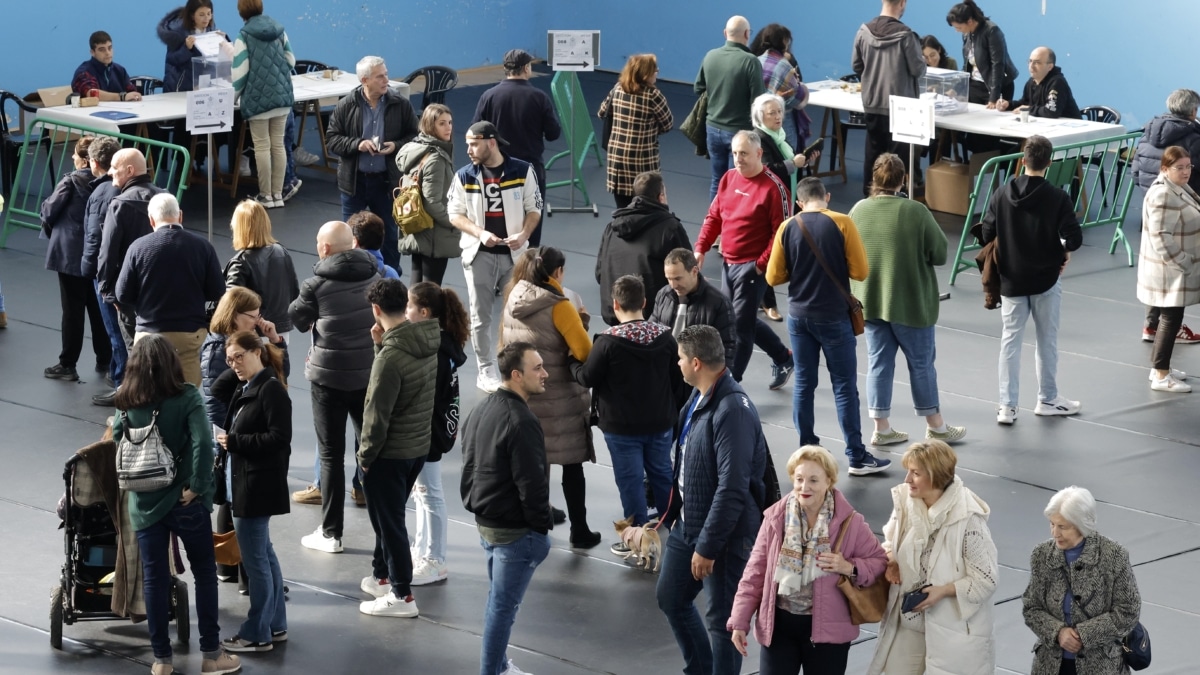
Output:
(817, 455)
(237, 300)
(251, 226)
(936, 458)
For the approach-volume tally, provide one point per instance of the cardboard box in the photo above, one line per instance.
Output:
(948, 184)
(50, 97)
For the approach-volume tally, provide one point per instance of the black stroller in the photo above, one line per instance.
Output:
(90, 542)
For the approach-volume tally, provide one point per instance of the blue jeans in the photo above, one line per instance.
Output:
(193, 526)
(883, 339)
(1015, 313)
(510, 569)
(708, 651)
(268, 611)
(112, 326)
(373, 192)
(720, 149)
(429, 535)
(834, 337)
(634, 456)
(744, 287)
(289, 139)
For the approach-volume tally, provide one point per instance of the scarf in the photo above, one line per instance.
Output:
(780, 139)
(797, 566)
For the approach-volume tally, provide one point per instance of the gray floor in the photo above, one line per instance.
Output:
(587, 612)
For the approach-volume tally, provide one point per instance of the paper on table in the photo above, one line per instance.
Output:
(209, 44)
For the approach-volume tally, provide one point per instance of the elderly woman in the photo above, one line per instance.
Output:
(1168, 272)
(639, 113)
(538, 311)
(803, 619)
(431, 155)
(938, 545)
(900, 300)
(778, 156)
(781, 76)
(1078, 562)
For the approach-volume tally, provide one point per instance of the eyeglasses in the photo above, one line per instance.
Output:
(256, 317)
(1035, 62)
(1183, 169)
(234, 358)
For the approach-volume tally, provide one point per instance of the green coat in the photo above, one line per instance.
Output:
(186, 431)
(903, 244)
(398, 414)
(441, 240)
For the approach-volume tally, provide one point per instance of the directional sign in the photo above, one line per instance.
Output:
(573, 49)
(911, 120)
(210, 111)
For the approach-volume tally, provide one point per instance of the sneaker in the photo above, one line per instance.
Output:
(429, 571)
(106, 400)
(162, 669)
(487, 380)
(60, 372)
(512, 669)
(1006, 414)
(244, 166)
(1148, 334)
(1170, 385)
(303, 157)
(309, 495)
(277, 198)
(1058, 406)
(222, 665)
(620, 549)
(390, 605)
(950, 435)
(781, 373)
(279, 635)
(375, 587)
(290, 191)
(239, 644)
(359, 496)
(317, 541)
(888, 437)
(267, 201)
(868, 465)
(1185, 336)
(558, 515)
(1177, 374)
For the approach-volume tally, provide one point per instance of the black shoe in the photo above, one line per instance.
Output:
(558, 515)
(60, 372)
(585, 539)
(105, 400)
(102, 367)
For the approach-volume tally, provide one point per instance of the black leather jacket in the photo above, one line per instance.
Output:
(990, 50)
(269, 272)
(707, 306)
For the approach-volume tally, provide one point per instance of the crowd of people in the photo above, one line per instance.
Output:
(200, 350)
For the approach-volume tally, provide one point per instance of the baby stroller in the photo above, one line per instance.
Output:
(90, 542)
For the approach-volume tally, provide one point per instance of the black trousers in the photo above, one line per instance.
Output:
(879, 140)
(330, 409)
(575, 491)
(622, 200)
(744, 286)
(425, 268)
(78, 296)
(1067, 667)
(1169, 321)
(388, 482)
(792, 648)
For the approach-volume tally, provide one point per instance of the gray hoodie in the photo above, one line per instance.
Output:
(887, 57)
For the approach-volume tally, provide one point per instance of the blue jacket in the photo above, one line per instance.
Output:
(62, 215)
(92, 74)
(262, 67)
(212, 364)
(103, 192)
(724, 493)
(177, 70)
(386, 271)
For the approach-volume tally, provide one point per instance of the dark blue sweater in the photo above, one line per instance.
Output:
(167, 277)
(523, 114)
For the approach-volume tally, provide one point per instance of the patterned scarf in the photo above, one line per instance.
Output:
(797, 565)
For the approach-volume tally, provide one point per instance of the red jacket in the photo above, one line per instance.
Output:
(831, 614)
(745, 214)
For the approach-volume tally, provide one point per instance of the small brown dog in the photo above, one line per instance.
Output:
(643, 542)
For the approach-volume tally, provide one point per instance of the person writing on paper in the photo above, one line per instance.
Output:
(180, 31)
(1047, 93)
(100, 77)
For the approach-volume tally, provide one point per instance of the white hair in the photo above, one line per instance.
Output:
(1077, 506)
(366, 64)
(756, 108)
(163, 208)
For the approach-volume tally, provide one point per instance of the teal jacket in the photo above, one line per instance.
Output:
(262, 67)
(399, 407)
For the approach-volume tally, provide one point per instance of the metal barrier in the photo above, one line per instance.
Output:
(1095, 173)
(167, 165)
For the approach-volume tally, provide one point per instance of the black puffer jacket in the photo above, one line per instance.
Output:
(269, 272)
(706, 305)
(333, 303)
(63, 214)
(1161, 133)
(636, 242)
(127, 221)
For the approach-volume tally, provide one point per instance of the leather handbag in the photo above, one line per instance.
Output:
(144, 463)
(867, 604)
(408, 204)
(606, 134)
(225, 546)
(220, 465)
(857, 322)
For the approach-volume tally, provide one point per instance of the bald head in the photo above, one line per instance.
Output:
(1041, 62)
(126, 165)
(334, 237)
(737, 29)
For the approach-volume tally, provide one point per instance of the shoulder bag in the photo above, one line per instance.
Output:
(606, 134)
(868, 604)
(144, 463)
(408, 205)
(855, 307)
(1135, 647)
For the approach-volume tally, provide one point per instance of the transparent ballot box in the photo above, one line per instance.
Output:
(211, 72)
(947, 89)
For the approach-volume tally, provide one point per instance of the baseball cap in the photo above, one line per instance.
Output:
(517, 58)
(485, 130)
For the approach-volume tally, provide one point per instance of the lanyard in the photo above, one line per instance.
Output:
(687, 421)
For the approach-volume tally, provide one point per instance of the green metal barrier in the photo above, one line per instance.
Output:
(167, 165)
(1095, 173)
(577, 123)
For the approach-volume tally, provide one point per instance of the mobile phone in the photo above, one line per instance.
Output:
(813, 148)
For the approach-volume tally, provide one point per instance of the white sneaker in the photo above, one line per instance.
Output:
(317, 541)
(488, 380)
(512, 669)
(1058, 406)
(1170, 385)
(304, 157)
(428, 571)
(390, 605)
(375, 587)
(1177, 374)
(1006, 414)
(244, 166)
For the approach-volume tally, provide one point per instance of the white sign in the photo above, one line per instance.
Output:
(209, 111)
(910, 120)
(574, 49)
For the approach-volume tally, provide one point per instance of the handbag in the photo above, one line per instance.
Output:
(408, 204)
(1135, 648)
(220, 462)
(144, 463)
(225, 546)
(867, 604)
(855, 306)
(606, 133)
